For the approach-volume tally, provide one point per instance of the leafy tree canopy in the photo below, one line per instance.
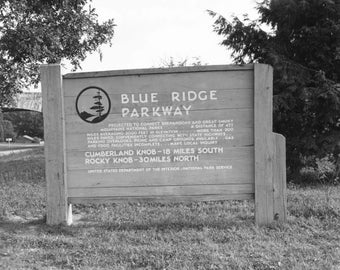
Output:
(34, 32)
(172, 62)
(303, 46)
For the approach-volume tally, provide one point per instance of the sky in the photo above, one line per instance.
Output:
(149, 32)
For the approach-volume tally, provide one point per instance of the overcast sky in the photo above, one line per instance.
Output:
(151, 31)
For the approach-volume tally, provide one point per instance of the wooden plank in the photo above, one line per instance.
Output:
(279, 178)
(57, 208)
(225, 99)
(242, 118)
(164, 83)
(223, 197)
(113, 73)
(218, 155)
(241, 137)
(241, 171)
(201, 190)
(263, 83)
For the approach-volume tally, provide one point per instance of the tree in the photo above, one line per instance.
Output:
(35, 32)
(8, 129)
(303, 46)
(98, 107)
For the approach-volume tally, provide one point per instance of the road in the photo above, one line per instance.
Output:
(5, 147)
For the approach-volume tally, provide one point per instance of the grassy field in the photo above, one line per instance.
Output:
(211, 235)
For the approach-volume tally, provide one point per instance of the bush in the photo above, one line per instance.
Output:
(27, 123)
(319, 170)
(8, 129)
(1, 131)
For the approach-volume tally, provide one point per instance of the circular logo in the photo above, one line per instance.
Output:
(93, 104)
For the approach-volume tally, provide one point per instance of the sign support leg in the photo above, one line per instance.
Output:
(270, 160)
(263, 126)
(58, 211)
(279, 178)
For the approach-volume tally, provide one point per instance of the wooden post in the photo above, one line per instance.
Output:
(279, 180)
(263, 123)
(58, 210)
(270, 153)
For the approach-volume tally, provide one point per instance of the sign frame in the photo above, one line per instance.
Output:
(269, 148)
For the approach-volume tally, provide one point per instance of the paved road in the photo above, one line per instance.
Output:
(15, 146)
(6, 149)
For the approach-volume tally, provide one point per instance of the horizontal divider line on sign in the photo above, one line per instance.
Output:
(70, 150)
(77, 150)
(246, 131)
(163, 191)
(200, 113)
(112, 91)
(74, 150)
(128, 165)
(165, 185)
(243, 130)
(219, 197)
(193, 110)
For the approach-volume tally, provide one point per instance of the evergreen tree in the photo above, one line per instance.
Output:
(303, 46)
(98, 104)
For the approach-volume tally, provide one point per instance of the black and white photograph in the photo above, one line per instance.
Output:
(170, 134)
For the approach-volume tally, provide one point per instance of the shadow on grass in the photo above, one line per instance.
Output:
(178, 225)
(40, 226)
(18, 224)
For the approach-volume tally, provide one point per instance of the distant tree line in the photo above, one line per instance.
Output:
(22, 123)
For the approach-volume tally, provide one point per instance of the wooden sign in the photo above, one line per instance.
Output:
(190, 133)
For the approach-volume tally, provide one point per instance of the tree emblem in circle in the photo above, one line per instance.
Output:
(93, 104)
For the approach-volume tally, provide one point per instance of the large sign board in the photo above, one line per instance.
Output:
(166, 134)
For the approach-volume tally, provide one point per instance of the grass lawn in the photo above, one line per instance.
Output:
(204, 235)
